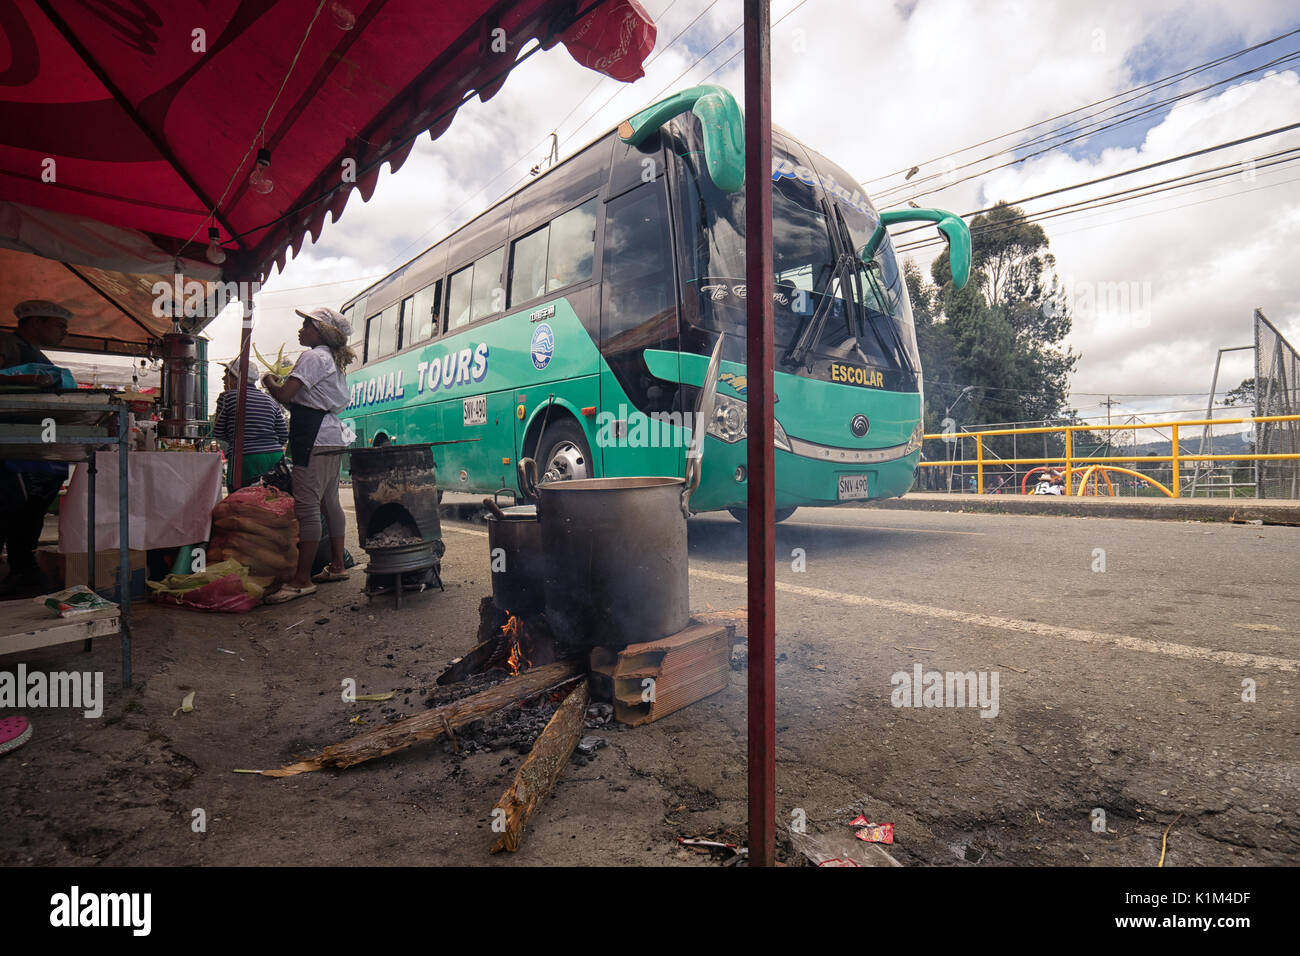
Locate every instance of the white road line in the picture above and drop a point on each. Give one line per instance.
(873, 527)
(477, 534)
(1187, 652)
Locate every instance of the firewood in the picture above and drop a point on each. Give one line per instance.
(540, 770)
(472, 663)
(432, 724)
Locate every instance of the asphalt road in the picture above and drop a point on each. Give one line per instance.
(1122, 651)
(1159, 694)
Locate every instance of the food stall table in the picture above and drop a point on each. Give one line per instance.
(68, 425)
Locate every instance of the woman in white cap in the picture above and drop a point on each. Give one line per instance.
(315, 391)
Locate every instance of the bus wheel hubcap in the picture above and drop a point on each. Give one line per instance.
(567, 461)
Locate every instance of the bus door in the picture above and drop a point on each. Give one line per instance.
(640, 384)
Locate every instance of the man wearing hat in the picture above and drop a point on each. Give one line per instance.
(265, 430)
(315, 391)
(27, 489)
(41, 324)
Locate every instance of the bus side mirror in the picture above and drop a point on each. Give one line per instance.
(952, 226)
(724, 130)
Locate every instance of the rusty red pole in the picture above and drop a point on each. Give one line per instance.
(762, 498)
(236, 463)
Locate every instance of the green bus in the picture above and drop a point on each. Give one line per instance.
(572, 322)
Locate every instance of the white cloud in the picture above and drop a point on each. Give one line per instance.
(877, 88)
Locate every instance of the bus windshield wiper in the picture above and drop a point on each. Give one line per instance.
(810, 329)
(859, 269)
(810, 326)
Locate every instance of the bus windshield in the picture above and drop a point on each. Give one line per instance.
(814, 232)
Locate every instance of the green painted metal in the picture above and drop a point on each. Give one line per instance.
(394, 397)
(722, 122)
(951, 225)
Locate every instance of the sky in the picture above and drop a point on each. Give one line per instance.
(1157, 285)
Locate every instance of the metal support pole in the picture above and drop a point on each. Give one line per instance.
(90, 526)
(124, 540)
(237, 452)
(762, 491)
(1069, 459)
(979, 464)
(1173, 462)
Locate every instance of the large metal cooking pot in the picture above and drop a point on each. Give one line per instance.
(518, 566)
(616, 570)
(615, 548)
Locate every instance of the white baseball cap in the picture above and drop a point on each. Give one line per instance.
(233, 368)
(329, 317)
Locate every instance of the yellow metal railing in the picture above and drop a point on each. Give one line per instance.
(1072, 465)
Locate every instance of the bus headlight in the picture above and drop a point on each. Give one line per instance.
(914, 442)
(779, 437)
(729, 419)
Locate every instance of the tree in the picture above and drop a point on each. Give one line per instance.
(1243, 394)
(1001, 333)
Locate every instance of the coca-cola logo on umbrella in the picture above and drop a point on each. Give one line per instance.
(613, 39)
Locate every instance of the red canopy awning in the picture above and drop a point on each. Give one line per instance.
(145, 114)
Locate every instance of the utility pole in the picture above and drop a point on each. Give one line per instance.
(1108, 403)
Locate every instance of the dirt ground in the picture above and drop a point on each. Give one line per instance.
(131, 787)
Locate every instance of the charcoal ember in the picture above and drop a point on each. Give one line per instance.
(589, 745)
(395, 535)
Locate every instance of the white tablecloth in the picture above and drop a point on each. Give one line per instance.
(171, 499)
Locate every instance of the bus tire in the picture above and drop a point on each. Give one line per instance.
(565, 455)
(742, 514)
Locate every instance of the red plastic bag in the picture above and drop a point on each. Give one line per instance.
(225, 594)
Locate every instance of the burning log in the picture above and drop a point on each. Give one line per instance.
(435, 723)
(541, 769)
(506, 642)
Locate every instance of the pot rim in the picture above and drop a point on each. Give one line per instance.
(630, 483)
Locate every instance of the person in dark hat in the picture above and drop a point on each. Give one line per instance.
(315, 391)
(27, 489)
(265, 430)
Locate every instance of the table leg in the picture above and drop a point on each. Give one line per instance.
(124, 542)
(90, 530)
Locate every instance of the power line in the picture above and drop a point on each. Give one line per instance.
(1034, 217)
(1127, 172)
(1173, 76)
(1098, 127)
(1145, 111)
(511, 165)
(1132, 95)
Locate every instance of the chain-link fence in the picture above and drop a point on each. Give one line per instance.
(1277, 392)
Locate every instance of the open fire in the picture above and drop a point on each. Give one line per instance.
(512, 631)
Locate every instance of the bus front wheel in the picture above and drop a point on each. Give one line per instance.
(565, 454)
(742, 514)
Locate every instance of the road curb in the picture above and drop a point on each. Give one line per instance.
(1157, 509)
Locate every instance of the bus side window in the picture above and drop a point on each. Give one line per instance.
(488, 295)
(458, 297)
(638, 307)
(388, 330)
(528, 266)
(573, 246)
(372, 338)
(424, 313)
(357, 314)
(405, 325)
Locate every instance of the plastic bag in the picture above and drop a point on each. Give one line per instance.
(226, 586)
(72, 601)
